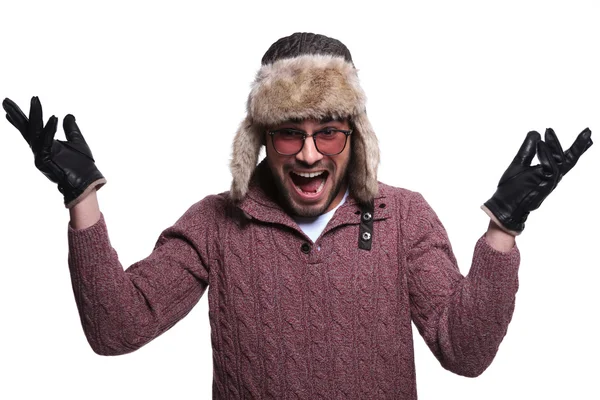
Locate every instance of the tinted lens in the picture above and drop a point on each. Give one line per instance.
(330, 142)
(288, 141)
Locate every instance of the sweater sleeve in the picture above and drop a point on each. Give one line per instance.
(462, 319)
(121, 310)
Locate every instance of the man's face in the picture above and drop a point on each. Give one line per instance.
(302, 194)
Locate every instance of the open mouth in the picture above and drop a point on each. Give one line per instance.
(309, 183)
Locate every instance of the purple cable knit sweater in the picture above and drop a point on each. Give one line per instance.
(295, 320)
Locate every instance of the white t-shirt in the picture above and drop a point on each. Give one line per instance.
(313, 226)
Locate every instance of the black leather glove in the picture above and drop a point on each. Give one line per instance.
(523, 187)
(68, 163)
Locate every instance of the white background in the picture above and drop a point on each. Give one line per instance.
(159, 88)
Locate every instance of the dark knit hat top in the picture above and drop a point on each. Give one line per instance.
(305, 43)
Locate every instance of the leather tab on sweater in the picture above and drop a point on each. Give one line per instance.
(365, 231)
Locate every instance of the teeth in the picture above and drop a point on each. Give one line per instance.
(321, 187)
(309, 174)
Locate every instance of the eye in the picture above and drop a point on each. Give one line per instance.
(289, 134)
(328, 133)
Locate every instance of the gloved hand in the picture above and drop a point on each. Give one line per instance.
(68, 163)
(523, 188)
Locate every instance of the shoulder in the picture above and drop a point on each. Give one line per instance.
(407, 204)
(213, 209)
(402, 197)
(395, 192)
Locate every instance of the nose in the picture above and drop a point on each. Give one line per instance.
(309, 154)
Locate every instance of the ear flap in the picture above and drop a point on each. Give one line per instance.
(363, 168)
(246, 149)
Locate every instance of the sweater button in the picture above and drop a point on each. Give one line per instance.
(305, 248)
(367, 217)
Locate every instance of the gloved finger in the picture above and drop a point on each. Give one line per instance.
(555, 147)
(75, 138)
(72, 131)
(16, 117)
(36, 123)
(47, 136)
(528, 149)
(549, 167)
(581, 144)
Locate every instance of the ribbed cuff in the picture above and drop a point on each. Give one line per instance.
(90, 245)
(494, 266)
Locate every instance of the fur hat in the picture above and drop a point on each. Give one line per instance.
(306, 76)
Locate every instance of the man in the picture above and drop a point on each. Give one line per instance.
(315, 269)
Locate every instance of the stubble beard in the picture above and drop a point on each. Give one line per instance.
(293, 208)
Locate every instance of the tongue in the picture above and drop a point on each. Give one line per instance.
(308, 184)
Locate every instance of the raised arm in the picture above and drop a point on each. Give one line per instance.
(120, 310)
(462, 319)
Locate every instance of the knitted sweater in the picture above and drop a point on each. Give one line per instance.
(292, 319)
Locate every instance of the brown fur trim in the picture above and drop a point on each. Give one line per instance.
(308, 86)
(365, 160)
(246, 148)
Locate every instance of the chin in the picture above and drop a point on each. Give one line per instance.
(308, 211)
